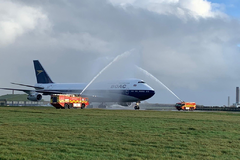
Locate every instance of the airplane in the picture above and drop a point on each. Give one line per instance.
(121, 91)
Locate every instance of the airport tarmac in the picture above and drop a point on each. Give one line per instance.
(171, 107)
(143, 106)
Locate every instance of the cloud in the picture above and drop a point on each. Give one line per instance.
(191, 46)
(180, 8)
(17, 19)
(81, 42)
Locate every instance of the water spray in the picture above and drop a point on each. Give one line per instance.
(147, 73)
(115, 59)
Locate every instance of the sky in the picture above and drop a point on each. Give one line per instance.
(230, 7)
(192, 46)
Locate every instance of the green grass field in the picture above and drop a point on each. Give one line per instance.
(47, 133)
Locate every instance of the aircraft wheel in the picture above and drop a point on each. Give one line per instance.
(57, 107)
(83, 106)
(136, 107)
(65, 106)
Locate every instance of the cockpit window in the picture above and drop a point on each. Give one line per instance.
(141, 82)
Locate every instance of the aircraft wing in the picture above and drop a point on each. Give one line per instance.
(25, 85)
(44, 92)
(24, 90)
(49, 92)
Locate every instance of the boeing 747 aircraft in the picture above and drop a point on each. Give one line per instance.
(120, 91)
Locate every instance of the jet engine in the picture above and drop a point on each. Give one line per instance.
(34, 97)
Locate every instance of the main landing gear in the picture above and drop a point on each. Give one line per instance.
(136, 106)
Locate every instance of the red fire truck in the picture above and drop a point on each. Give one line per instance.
(63, 101)
(186, 106)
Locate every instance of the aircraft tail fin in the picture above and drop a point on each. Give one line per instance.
(41, 74)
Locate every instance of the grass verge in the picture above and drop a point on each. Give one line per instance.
(47, 133)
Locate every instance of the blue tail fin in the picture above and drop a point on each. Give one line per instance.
(41, 74)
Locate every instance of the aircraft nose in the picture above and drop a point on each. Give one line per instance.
(143, 95)
(148, 94)
(151, 93)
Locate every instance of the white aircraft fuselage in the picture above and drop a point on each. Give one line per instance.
(129, 90)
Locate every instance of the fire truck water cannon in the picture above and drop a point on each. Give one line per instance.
(186, 106)
(62, 101)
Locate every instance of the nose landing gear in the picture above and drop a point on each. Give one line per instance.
(136, 106)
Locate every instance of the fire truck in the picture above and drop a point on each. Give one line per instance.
(63, 101)
(186, 106)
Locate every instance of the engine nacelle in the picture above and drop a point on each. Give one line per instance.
(34, 97)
